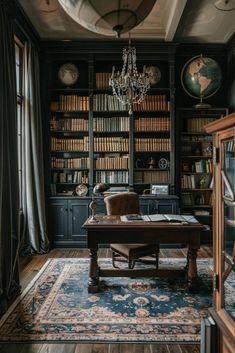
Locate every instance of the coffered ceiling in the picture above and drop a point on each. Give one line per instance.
(182, 21)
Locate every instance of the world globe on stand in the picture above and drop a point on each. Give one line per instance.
(201, 78)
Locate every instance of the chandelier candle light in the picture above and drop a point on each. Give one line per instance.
(129, 86)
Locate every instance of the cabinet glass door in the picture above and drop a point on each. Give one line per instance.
(228, 260)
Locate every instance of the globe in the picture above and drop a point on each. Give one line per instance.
(154, 74)
(201, 78)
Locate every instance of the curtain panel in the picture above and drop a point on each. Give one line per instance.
(9, 181)
(35, 238)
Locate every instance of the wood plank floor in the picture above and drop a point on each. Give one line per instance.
(30, 266)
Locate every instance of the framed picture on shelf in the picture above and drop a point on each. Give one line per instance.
(159, 189)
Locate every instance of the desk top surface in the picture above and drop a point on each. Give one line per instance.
(104, 222)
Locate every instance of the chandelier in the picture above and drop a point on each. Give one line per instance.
(129, 86)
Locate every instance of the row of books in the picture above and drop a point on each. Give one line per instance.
(107, 102)
(70, 162)
(203, 166)
(152, 144)
(209, 335)
(112, 162)
(197, 198)
(112, 124)
(102, 80)
(112, 177)
(203, 148)
(230, 146)
(195, 181)
(111, 144)
(153, 103)
(74, 124)
(196, 138)
(58, 144)
(152, 124)
(119, 123)
(74, 102)
(76, 177)
(197, 124)
(149, 177)
(200, 166)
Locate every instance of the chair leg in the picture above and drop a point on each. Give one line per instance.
(113, 260)
(157, 256)
(131, 264)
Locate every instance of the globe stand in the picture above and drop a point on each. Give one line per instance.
(202, 105)
(93, 206)
(97, 190)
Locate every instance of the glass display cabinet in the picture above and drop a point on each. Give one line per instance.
(223, 311)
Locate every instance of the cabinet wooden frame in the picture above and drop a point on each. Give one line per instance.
(223, 130)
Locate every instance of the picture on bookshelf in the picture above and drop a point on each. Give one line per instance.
(159, 189)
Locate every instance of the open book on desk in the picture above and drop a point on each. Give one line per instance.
(170, 218)
(190, 219)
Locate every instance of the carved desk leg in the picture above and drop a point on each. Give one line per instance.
(93, 284)
(192, 269)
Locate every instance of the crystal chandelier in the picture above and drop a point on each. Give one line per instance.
(129, 86)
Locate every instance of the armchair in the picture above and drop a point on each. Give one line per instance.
(121, 204)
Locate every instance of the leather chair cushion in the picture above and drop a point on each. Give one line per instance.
(133, 251)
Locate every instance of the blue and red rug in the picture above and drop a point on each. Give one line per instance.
(57, 307)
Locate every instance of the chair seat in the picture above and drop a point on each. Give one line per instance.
(133, 251)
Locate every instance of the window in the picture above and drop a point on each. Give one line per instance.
(19, 67)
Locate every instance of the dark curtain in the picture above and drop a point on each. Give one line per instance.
(9, 182)
(35, 238)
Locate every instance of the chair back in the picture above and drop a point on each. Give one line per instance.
(122, 203)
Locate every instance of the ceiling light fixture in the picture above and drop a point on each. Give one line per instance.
(48, 6)
(108, 17)
(129, 86)
(225, 5)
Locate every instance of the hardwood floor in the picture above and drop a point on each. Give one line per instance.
(30, 266)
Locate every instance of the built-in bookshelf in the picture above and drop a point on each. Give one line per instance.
(93, 139)
(69, 142)
(196, 162)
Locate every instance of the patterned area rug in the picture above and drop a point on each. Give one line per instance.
(57, 307)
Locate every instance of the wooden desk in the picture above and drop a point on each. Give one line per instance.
(111, 230)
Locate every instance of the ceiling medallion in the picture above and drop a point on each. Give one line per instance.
(225, 5)
(108, 17)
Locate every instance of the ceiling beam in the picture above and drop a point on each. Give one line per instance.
(174, 19)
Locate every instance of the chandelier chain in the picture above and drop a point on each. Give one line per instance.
(129, 86)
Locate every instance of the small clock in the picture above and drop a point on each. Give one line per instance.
(68, 74)
(163, 163)
(81, 190)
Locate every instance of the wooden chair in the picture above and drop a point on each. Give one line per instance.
(122, 204)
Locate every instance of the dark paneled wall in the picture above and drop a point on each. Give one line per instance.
(231, 75)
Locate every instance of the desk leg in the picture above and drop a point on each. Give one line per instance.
(192, 269)
(93, 284)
